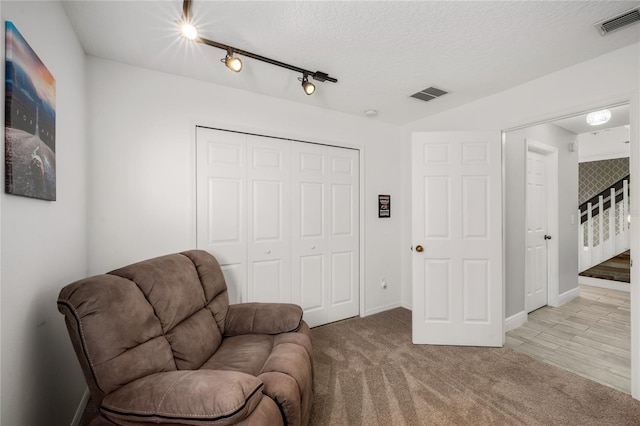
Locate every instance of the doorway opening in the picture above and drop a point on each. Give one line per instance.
(587, 329)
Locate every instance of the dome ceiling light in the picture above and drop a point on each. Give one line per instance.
(598, 117)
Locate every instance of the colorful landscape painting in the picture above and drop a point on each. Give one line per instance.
(30, 121)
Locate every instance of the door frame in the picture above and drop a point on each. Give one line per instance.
(294, 137)
(553, 272)
(631, 97)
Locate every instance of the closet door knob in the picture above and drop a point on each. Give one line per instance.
(313, 247)
(268, 251)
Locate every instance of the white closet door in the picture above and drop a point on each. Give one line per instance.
(344, 234)
(325, 232)
(282, 218)
(310, 219)
(221, 210)
(269, 220)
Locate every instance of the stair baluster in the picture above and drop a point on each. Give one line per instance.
(592, 225)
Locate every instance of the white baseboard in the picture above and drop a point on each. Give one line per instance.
(515, 321)
(379, 309)
(568, 296)
(406, 305)
(596, 282)
(80, 411)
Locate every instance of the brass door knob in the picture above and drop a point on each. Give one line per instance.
(419, 249)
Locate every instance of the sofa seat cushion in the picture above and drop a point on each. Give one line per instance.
(197, 397)
(246, 353)
(282, 362)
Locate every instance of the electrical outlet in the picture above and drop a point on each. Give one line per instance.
(383, 283)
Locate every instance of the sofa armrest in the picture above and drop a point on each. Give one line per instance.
(262, 318)
(185, 397)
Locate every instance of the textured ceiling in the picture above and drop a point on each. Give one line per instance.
(381, 52)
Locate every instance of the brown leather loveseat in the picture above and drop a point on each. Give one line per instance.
(159, 343)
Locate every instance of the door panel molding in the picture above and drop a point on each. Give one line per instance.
(551, 155)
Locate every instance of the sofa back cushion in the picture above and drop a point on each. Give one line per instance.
(115, 332)
(170, 284)
(157, 315)
(213, 284)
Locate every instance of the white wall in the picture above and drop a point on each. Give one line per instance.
(142, 176)
(44, 244)
(604, 145)
(515, 197)
(571, 90)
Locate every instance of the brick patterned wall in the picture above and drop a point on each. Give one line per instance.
(596, 176)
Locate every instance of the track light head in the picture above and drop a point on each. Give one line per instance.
(308, 87)
(189, 31)
(232, 62)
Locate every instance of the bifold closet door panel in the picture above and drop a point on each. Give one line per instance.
(268, 219)
(311, 214)
(325, 232)
(343, 239)
(221, 208)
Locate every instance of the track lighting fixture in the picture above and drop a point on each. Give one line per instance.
(307, 86)
(189, 31)
(187, 28)
(234, 63)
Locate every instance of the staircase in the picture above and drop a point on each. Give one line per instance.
(604, 225)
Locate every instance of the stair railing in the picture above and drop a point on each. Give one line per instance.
(598, 243)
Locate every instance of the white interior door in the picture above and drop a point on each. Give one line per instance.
(269, 220)
(325, 228)
(221, 204)
(344, 241)
(536, 263)
(457, 234)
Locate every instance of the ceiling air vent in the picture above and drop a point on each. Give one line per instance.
(619, 21)
(428, 94)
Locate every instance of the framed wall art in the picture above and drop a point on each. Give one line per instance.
(30, 121)
(384, 205)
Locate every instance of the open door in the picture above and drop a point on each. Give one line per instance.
(457, 237)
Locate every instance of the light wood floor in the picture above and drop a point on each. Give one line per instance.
(589, 336)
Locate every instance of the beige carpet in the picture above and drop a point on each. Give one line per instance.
(367, 372)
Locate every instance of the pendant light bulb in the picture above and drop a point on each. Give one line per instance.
(233, 62)
(189, 31)
(308, 87)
